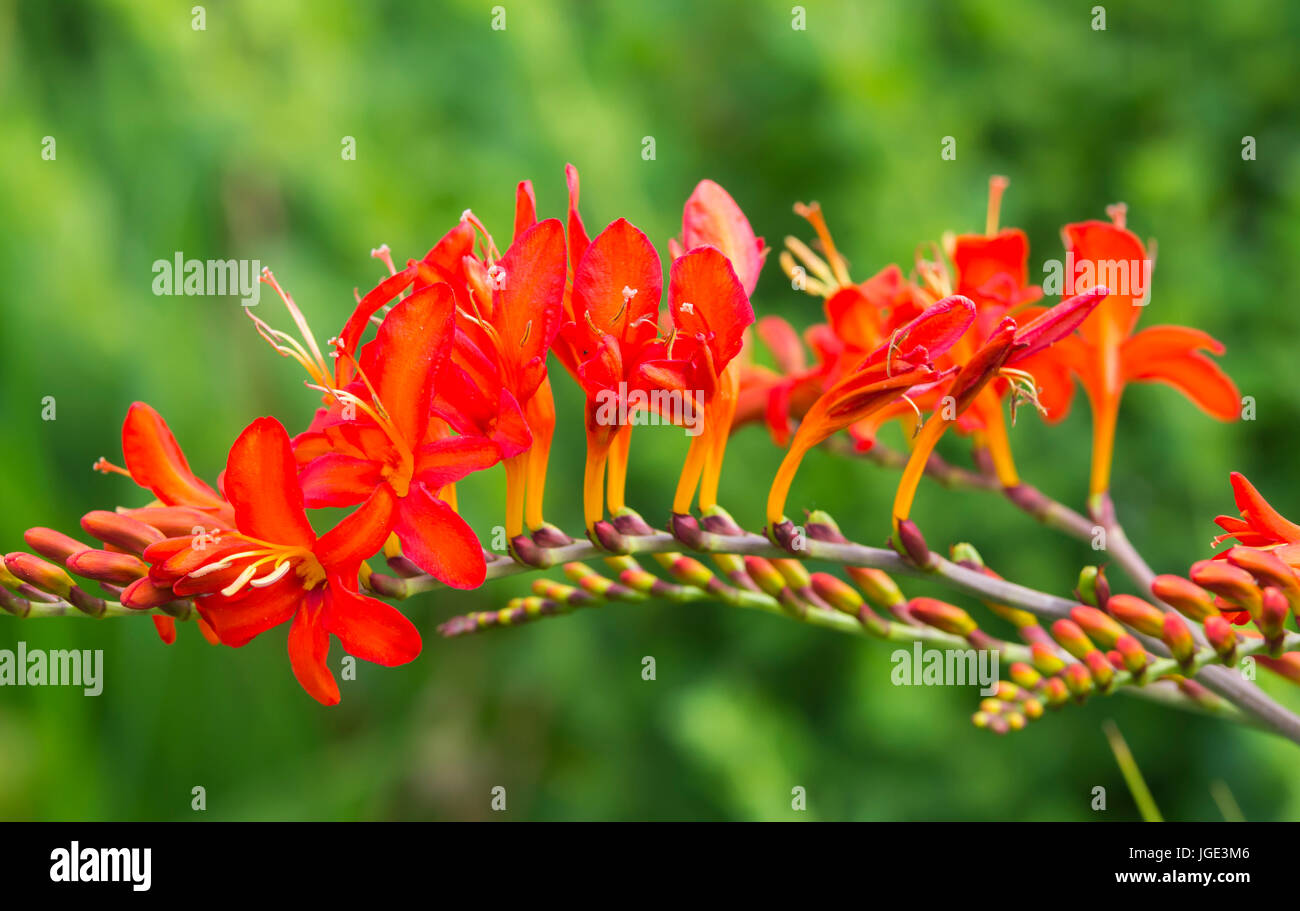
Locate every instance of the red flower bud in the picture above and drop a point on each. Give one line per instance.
(106, 566)
(51, 544)
(941, 615)
(1134, 612)
(37, 572)
(121, 531)
(1178, 637)
(1222, 638)
(1227, 581)
(1187, 598)
(1100, 628)
(1072, 638)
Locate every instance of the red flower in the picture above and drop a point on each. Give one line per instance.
(901, 363)
(1108, 354)
(273, 568)
(1260, 525)
(378, 437)
(154, 460)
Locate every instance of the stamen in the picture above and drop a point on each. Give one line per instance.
(528, 329)
(273, 577)
(809, 285)
(104, 466)
(490, 245)
(384, 254)
(496, 278)
(813, 213)
(996, 185)
(1118, 214)
(298, 318)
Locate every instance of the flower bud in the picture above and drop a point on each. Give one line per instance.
(120, 531)
(1134, 612)
(1102, 670)
(1222, 639)
(912, 543)
(837, 593)
(107, 566)
(1078, 680)
(1227, 581)
(51, 544)
(1267, 569)
(1024, 675)
(1178, 637)
(1087, 585)
(966, 555)
(37, 572)
(877, 585)
(1132, 653)
(795, 573)
(941, 615)
(1072, 638)
(1046, 661)
(1287, 665)
(1272, 614)
(1056, 691)
(1098, 626)
(1186, 597)
(765, 575)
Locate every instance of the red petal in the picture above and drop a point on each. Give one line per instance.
(578, 239)
(238, 621)
(719, 309)
(369, 629)
(1101, 248)
(166, 628)
(361, 534)
(413, 340)
(438, 541)
(447, 461)
(309, 646)
(525, 208)
(1055, 324)
(783, 342)
(356, 325)
(1195, 376)
(711, 217)
(1158, 342)
(527, 310)
(156, 462)
(935, 331)
(621, 257)
(338, 480)
(262, 484)
(1256, 510)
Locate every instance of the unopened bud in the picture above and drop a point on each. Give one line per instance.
(877, 585)
(765, 574)
(120, 531)
(1046, 661)
(1287, 665)
(1099, 627)
(1100, 667)
(912, 543)
(1024, 675)
(1222, 639)
(39, 573)
(107, 566)
(1087, 586)
(1143, 617)
(1227, 581)
(143, 594)
(1267, 568)
(966, 555)
(1132, 654)
(1072, 638)
(1184, 596)
(941, 615)
(51, 544)
(1078, 680)
(1178, 637)
(1056, 691)
(1272, 613)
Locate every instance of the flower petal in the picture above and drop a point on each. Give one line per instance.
(617, 287)
(446, 461)
(438, 541)
(1257, 511)
(156, 462)
(711, 217)
(362, 533)
(706, 299)
(338, 480)
(525, 208)
(527, 310)
(412, 342)
(309, 646)
(1195, 376)
(369, 629)
(262, 484)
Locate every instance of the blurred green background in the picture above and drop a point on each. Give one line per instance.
(226, 142)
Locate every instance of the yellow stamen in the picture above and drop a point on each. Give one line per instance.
(813, 213)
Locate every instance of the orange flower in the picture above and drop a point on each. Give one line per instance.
(1108, 354)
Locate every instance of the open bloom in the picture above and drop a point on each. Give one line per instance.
(619, 355)
(376, 437)
(1006, 345)
(510, 308)
(1259, 524)
(1108, 353)
(272, 568)
(901, 363)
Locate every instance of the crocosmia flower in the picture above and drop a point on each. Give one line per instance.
(272, 568)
